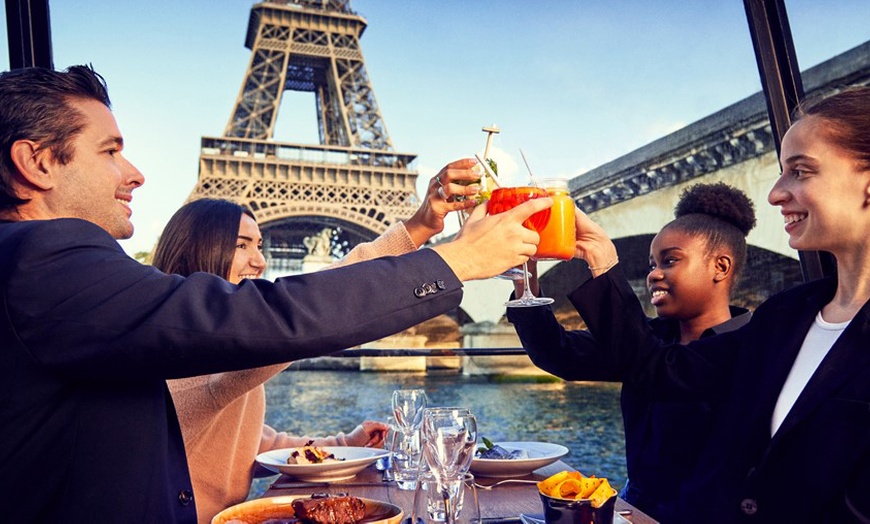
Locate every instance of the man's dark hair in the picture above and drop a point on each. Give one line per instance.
(35, 105)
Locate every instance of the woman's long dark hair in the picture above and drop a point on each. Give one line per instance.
(200, 236)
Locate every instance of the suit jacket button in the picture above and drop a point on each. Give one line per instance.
(185, 497)
(419, 292)
(749, 506)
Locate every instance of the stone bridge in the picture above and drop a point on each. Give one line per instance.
(633, 196)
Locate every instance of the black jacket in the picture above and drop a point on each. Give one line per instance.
(88, 337)
(816, 468)
(662, 438)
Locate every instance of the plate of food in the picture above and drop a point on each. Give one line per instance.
(313, 509)
(320, 464)
(514, 459)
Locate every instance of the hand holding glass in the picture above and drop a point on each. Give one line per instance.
(506, 198)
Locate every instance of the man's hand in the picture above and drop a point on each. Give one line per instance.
(489, 244)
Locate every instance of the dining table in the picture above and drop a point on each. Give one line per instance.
(500, 504)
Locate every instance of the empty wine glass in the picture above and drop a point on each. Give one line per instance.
(449, 439)
(408, 406)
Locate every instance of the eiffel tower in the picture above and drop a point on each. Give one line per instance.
(352, 183)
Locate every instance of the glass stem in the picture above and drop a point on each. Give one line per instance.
(527, 293)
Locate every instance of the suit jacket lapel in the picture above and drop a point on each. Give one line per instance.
(795, 321)
(848, 355)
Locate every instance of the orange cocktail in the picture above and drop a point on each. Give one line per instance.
(558, 237)
(507, 198)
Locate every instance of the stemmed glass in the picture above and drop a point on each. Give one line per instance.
(449, 439)
(408, 406)
(506, 198)
(510, 273)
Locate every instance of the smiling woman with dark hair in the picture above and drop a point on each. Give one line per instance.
(201, 236)
(222, 415)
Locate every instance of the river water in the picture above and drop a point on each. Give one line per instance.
(582, 416)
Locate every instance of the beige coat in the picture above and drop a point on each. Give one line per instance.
(222, 415)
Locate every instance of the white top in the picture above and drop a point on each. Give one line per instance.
(820, 337)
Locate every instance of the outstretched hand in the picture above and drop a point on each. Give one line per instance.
(446, 193)
(487, 245)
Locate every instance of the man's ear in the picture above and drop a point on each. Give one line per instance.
(33, 163)
(723, 267)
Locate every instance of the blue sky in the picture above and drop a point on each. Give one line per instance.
(574, 83)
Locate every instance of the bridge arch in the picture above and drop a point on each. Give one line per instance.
(766, 272)
(369, 220)
(284, 234)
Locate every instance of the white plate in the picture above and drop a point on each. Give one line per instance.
(280, 509)
(540, 454)
(355, 460)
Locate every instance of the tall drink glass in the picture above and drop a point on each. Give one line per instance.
(558, 236)
(507, 198)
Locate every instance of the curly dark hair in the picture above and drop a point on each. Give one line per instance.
(722, 214)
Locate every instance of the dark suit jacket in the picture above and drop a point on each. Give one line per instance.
(88, 337)
(816, 468)
(662, 438)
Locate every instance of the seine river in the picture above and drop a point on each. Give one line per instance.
(584, 417)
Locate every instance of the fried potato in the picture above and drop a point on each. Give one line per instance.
(546, 486)
(567, 489)
(590, 484)
(572, 485)
(601, 494)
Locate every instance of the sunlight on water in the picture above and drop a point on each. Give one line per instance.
(584, 417)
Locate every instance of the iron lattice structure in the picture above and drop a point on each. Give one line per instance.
(353, 181)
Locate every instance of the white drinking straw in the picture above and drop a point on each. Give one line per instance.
(532, 176)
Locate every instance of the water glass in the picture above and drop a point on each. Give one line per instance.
(449, 501)
(407, 452)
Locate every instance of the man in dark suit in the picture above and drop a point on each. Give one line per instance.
(88, 336)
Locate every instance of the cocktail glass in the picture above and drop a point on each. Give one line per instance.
(558, 236)
(506, 198)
